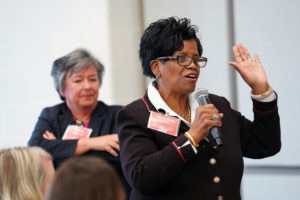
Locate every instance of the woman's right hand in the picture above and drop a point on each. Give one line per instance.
(204, 121)
(109, 143)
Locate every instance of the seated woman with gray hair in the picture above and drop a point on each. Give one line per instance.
(81, 125)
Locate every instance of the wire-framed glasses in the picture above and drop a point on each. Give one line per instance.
(186, 60)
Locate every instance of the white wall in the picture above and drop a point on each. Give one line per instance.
(270, 187)
(126, 28)
(271, 29)
(33, 34)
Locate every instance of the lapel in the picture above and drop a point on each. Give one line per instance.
(148, 102)
(65, 119)
(182, 127)
(97, 119)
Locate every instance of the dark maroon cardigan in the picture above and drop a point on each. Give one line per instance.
(155, 169)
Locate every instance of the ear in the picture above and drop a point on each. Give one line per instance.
(62, 93)
(154, 64)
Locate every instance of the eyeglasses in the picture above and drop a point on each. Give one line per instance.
(186, 60)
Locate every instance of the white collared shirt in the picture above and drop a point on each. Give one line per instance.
(158, 102)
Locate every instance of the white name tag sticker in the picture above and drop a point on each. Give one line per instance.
(76, 132)
(163, 123)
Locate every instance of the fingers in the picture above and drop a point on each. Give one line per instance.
(241, 53)
(206, 117)
(216, 119)
(112, 151)
(111, 147)
(48, 135)
(256, 58)
(208, 108)
(235, 65)
(45, 136)
(115, 145)
(209, 115)
(237, 54)
(217, 116)
(114, 141)
(109, 143)
(248, 56)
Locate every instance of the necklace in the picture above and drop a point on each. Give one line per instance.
(188, 116)
(81, 123)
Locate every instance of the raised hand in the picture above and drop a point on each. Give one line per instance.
(251, 70)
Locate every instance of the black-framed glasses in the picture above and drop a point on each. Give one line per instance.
(186, 60)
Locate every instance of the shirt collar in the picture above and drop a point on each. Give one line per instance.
(158, 102)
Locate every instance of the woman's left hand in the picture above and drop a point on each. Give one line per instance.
(251, 70)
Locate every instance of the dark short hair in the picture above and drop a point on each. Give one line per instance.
(73, 62)
(163, 38)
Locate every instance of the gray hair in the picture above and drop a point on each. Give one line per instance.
(73, 62)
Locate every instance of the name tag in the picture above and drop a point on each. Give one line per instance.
(163, 123)
(76, 132)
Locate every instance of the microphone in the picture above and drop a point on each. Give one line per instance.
(201, 95)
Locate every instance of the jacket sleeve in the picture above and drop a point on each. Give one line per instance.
(59, 149)
(261, 138)
(143, 162)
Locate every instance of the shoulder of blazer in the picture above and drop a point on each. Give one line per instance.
(103, 108)
(55, 110)
(219, 101)
(140, 104)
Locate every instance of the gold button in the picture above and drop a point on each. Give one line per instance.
(212, 161)
(220, 197)
(217, 179)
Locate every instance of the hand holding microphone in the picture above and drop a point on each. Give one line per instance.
(207, 120)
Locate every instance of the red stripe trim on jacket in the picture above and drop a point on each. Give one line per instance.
(178, 150)
(265, 111)
(146, 103)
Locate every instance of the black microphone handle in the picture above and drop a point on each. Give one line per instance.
(215, 132)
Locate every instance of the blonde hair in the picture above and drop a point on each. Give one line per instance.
(22, 173)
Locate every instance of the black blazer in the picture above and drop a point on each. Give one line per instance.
(56, 119)
(157, 168)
